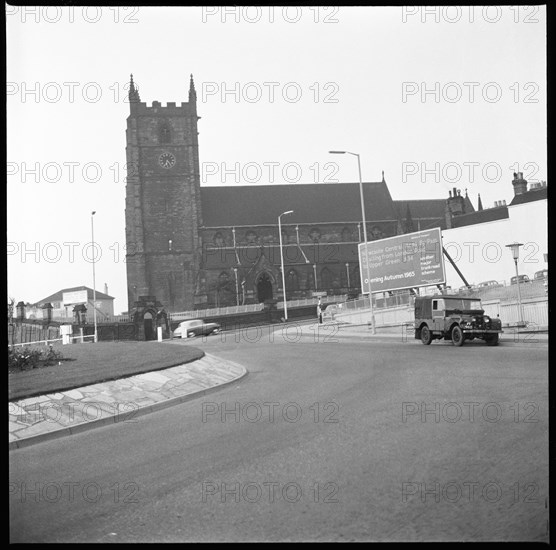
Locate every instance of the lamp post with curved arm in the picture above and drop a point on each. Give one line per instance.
(282, 262)
(364, 234)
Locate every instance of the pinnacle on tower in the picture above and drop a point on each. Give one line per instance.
(192, 92)
(133, 91)
(479, 204)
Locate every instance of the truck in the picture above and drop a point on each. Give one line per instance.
(454, 318)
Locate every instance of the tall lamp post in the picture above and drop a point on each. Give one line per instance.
(94, 281)
(514, 247)
(282, 262)
(237, 287)
(364, 233)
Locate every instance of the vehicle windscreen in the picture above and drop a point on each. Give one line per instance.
(462, 304)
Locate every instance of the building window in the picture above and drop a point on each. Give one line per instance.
(218, 239)
(346, 235)
(292, 280)
(164, 134)
(251, 237)
(326, 278)
(314, 235)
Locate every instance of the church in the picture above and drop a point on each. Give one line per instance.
(196, 247)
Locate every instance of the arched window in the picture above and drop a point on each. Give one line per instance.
(376, 232)
(224, 280)
(326, 278)
(346, 235)
(314, 234)
(164, 134)
(355, 277)
(292, 280)
(344, 277)
(251, 236)
(218, 239)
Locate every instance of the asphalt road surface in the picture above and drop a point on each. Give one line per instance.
(327, 439)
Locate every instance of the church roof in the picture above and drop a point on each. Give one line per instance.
(426, 208)
(239, 205)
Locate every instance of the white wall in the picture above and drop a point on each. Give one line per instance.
(479, 250)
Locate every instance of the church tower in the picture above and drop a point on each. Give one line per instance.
(163, 206)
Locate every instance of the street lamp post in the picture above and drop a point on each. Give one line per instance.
(237, 287)
(364, 234)
(94, 281)
(347, 273)
(282, 262)
(514, 247)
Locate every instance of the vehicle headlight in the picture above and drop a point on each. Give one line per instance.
(487, 319)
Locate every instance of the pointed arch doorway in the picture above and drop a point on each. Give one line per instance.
(264, 287)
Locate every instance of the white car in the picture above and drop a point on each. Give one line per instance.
(195, 327)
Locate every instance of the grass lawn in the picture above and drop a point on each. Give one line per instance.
(94, 363)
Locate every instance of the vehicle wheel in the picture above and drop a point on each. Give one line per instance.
(457, 336)
(215, 331)
(492, 340)
(426, 336)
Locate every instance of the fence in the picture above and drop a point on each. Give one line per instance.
(535, 312)
(73, 339)
(214, 312)
(22, 333)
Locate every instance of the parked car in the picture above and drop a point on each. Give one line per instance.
(522, 279)
(489, 284)
(454, 318)
(195, 327)
(541, 275)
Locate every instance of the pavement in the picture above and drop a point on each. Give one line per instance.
(509, 334)
(64, 413)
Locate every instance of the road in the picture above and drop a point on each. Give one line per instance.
(329, 438)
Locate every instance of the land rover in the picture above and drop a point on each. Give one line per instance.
(454, 318)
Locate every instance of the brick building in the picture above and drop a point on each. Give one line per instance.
(193, 246)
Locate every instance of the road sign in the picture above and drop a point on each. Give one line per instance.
(405, 261)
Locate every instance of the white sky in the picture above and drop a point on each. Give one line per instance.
(361, 58)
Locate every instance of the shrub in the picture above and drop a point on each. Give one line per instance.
(25, 358)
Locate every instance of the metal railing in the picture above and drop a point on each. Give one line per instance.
(214, 312)
(46, 342)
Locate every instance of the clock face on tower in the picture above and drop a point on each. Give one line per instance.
(167, 160)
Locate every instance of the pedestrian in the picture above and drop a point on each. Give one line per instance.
(319, 312)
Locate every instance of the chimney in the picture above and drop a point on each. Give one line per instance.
(520, 184)
(105, 288)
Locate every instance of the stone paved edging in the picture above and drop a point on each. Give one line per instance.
(64, 413)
